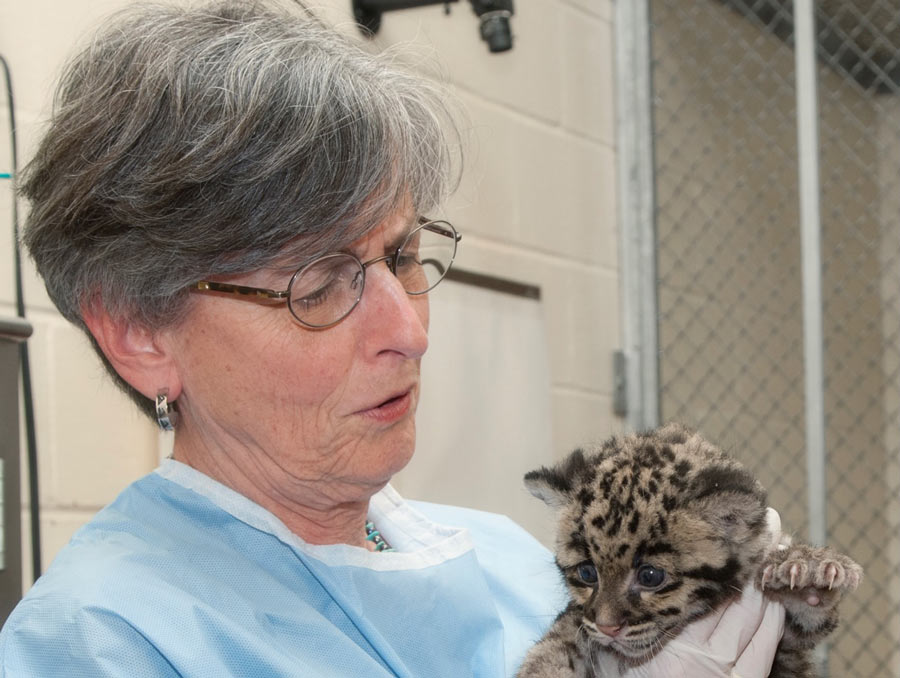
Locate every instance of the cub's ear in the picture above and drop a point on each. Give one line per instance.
(729, 498)
(725, 477)
(555, 485)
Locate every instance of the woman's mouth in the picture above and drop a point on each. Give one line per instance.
(392, 409)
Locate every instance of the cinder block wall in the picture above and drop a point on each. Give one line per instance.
(537, 202)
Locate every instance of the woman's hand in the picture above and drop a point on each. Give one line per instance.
(738, 641)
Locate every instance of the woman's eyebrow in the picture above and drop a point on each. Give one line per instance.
(394, 243)
(400, 238)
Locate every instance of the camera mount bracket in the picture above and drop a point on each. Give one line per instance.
(493, 15)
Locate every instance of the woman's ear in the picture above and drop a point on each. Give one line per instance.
(140, 355)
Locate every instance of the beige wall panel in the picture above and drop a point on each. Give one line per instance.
(36, 38)
(580, 304)
(579, 418)
(526, 79)
(485, 203)
(566, 194)
(599, 8)
(117, 442)
(588, 105)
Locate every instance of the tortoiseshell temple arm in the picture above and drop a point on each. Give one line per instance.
(435, 227)
(259, 292)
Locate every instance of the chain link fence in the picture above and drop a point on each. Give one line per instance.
(729, 292)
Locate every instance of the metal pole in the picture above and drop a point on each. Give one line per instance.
(636, 212)
(810, 225)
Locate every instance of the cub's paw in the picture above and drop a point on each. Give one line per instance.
(820, 575)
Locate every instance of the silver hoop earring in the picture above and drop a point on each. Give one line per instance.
(166, 416)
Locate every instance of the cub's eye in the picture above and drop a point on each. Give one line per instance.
(587, 572)
(650, 577)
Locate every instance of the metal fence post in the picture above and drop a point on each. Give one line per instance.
(811, 245)
(636, 213)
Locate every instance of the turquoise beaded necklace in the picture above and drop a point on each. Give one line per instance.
(375, 537)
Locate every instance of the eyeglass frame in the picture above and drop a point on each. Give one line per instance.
(264, 294)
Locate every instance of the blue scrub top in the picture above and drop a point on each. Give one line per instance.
(181, 576)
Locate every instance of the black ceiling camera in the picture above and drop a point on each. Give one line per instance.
(494, 16)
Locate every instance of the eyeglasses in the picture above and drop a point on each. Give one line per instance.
(326, 290)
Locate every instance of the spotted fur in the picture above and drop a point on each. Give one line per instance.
(657, 530)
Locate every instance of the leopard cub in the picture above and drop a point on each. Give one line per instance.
(659, 529)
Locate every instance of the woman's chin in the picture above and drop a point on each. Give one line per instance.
(391, 452)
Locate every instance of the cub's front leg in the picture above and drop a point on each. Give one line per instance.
(557, 654)
(810, 582)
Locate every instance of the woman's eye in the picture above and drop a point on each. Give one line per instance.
(313, 299)
(587, 572)
(650, 577)
(318, 290)
(405, 259)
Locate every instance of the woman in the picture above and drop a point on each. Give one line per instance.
(231, 202)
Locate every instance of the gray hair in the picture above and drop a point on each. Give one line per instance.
(192, 142)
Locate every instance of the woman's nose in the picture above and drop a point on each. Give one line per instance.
(397, 321)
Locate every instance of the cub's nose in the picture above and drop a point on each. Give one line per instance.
(611, 631)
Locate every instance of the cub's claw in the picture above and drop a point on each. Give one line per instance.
(795, 574)
(831, 574)
(816, 571)
(768, 574)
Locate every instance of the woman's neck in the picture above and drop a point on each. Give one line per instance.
(319, 511)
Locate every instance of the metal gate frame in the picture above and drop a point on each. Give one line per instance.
(637, 202)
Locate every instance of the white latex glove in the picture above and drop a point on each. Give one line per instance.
(738, 641)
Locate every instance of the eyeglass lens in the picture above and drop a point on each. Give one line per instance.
(327, 289)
